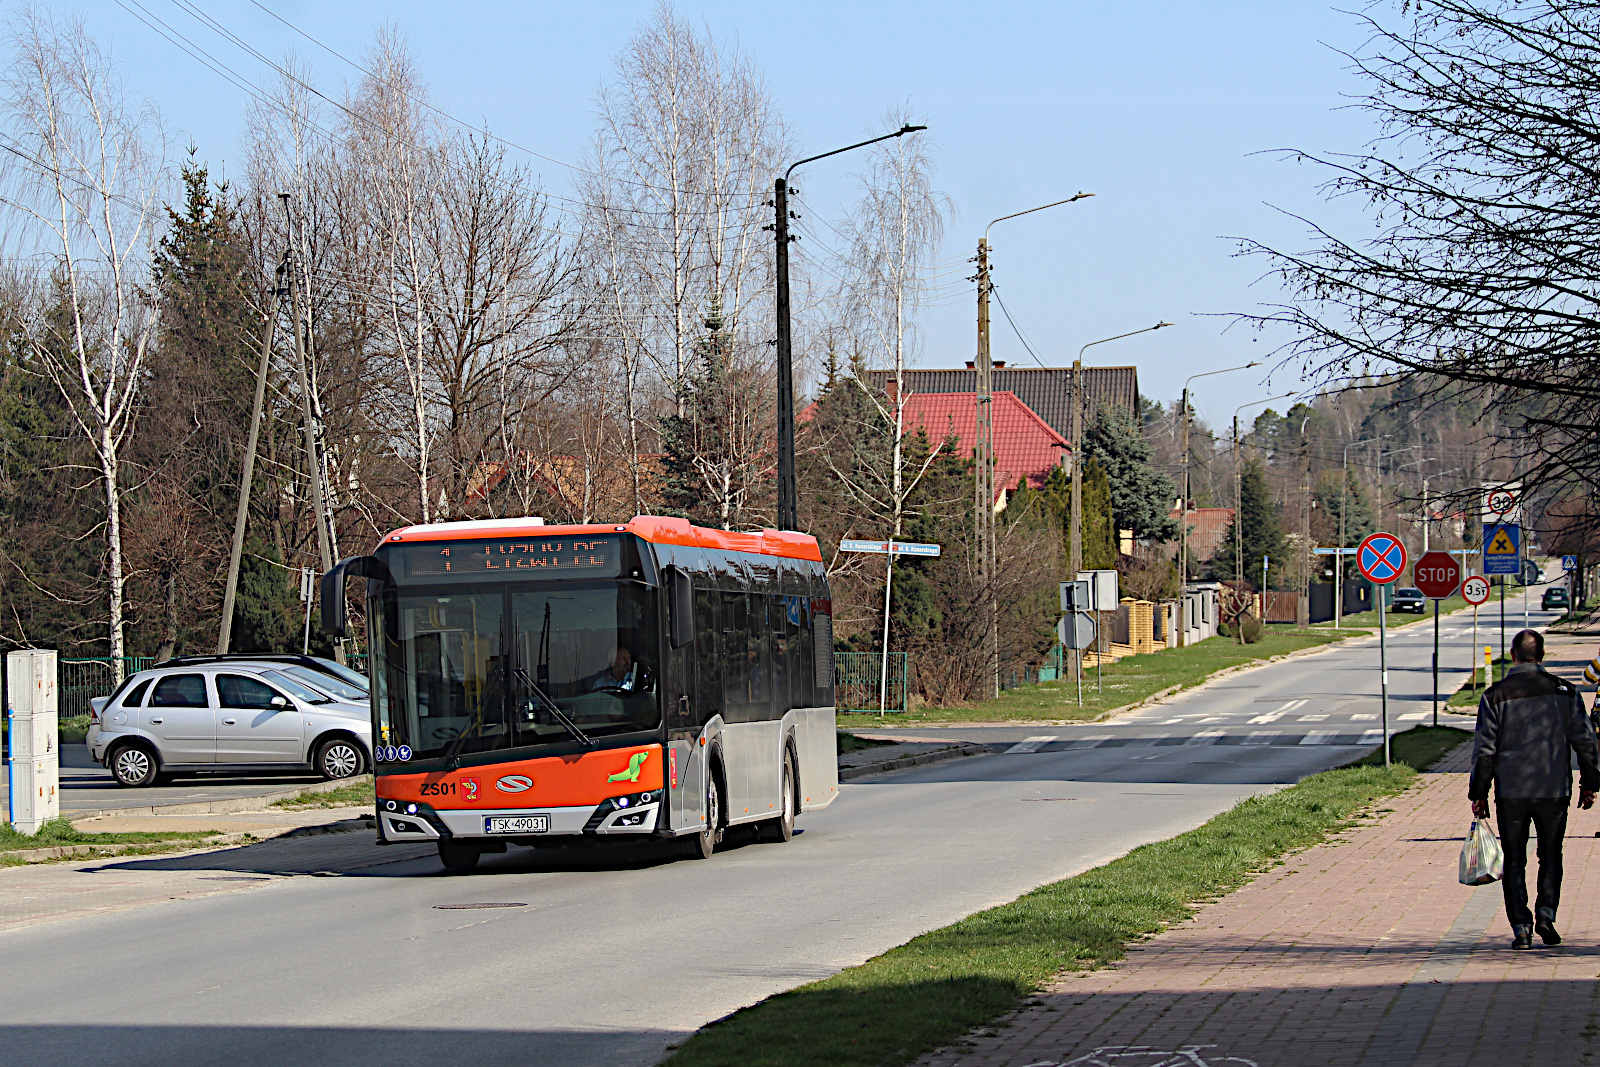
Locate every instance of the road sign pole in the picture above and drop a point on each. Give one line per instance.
(1436, 663)
(1502, 626)
(1383, 668)
(1474, 656)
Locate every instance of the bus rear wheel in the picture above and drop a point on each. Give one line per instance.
(781, 829)
(702, 845)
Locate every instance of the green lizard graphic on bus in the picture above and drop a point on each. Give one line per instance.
(635, 761)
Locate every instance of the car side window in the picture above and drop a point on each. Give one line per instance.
(235, 691)
(180, 691)
(135, 695)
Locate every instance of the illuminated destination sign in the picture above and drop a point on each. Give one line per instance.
(502, 558)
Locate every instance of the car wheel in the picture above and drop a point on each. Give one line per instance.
(134, 765)
(458, 855)
(338, 757)
(702, 845)
(781, 829)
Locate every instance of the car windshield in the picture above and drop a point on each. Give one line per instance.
(301, 692)
(335, 687)
(339, 670)
(1415, 594)
(459, 667)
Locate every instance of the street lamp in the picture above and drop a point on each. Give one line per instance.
(1075, 551)
(1344, 494)
(1238, 491)
(1426, 520)
(788, 493)
(983, 445)
(1183, 505)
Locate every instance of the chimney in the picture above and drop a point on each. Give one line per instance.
(891, 390)
(997, 364)
(972, 364)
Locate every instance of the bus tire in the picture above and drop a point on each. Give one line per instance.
(781, 829)
(458, 855)
(702, 845)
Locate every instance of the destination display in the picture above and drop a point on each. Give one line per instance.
(500, 558)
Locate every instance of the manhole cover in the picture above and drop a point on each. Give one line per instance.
(471, 907)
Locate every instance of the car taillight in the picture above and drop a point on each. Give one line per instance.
(94, 716)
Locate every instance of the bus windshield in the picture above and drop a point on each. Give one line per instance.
(457, 674)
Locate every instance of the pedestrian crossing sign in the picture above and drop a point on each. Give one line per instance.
(1502, 548)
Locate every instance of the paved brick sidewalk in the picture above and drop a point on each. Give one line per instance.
(1362, 952)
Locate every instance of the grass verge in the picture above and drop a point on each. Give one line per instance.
(1130, 679)
(59, 831)
(346, 796)
(1418, 748)
(1369, 619)
(849, 742)
(936, 987)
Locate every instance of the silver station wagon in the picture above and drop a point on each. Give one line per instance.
(233, 715)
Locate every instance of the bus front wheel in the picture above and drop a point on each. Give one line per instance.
(703, 844)
(458, 855)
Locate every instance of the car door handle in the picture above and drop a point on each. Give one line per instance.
(227, 722)
(154, 719)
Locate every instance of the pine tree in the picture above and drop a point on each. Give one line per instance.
(1262, 531)
(1141, 494)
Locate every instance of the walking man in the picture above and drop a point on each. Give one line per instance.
(1529, 724)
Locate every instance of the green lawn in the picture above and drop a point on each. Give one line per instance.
(939, 986)
(59, 831)
(1418, 747)
(358, 794)
(1126, 681)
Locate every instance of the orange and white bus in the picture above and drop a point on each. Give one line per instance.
(544, 685)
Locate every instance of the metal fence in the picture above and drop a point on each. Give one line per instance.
(858, 677)
(79, 680)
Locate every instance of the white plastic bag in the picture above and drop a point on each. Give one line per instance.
(1482, 861)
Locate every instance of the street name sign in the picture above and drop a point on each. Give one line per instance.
(1502, 548)
(883, 548)
(1381, 557)
(1437, 574)
(1475, 591)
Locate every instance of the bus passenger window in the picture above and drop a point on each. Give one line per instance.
(735, 656)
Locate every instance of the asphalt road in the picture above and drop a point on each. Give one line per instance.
(615, 955)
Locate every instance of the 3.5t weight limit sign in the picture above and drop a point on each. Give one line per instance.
(1437, 574)
(1475, 591)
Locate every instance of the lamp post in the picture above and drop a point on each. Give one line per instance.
(788, 493)
(1075, 552)
(1344, 494)
(983, 447)
(1183, 505)
(1238, 490)
(1426, 520)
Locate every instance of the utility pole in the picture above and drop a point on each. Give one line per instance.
(1183, 505)
(1238, 508)
(230, 590)
(983, 475)
(788, 505)
(313, 463)
(788, 492)
(1076, 550)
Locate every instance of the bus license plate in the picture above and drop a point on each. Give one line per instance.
(516, 824)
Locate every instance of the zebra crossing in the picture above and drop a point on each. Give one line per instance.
(1221, 738)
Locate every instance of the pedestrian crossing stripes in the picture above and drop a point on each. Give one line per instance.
(1254, 738)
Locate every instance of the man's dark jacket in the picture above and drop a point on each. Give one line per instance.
(1528, 724)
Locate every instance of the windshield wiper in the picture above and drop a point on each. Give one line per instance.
(555, 711)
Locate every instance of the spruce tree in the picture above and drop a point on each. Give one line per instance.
(1262, 531)
(1141, 493)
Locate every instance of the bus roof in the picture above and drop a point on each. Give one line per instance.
(656, 529)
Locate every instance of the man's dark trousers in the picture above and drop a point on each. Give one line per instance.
(1549, 819)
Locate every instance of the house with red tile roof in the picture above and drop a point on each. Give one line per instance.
(1024, 444)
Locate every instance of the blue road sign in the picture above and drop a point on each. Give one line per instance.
(1502, 548)
(1382, 558)
(1569, 563)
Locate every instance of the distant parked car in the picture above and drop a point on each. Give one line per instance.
(238, 714)
(1555, 597)
(1409, 600)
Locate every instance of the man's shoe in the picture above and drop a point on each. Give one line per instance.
(1522, 937)
(1546, 929)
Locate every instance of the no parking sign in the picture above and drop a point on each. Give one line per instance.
(1381, 557)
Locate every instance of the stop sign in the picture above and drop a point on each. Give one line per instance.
(1437, 574)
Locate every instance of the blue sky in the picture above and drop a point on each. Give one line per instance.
(1165, 110)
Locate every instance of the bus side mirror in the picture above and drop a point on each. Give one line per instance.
(335, 619)
(680, 607)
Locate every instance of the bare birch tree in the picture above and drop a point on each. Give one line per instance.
(85, 187)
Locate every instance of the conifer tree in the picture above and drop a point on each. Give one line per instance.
(1262, 531)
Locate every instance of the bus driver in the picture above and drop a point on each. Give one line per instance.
(619, 675)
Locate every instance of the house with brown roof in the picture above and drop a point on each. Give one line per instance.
(1048, 391)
